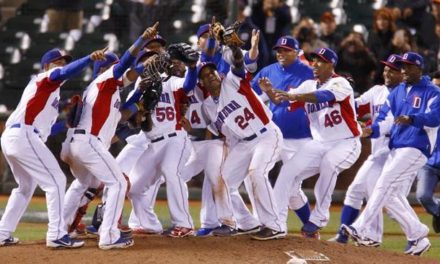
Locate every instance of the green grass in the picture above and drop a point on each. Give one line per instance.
(394, 239)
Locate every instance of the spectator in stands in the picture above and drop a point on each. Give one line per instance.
(409, 12)
(356, 59)
(329, 34)
(426, 36)
(379, 39)
(436, 78)
(305, 33)
(273, 19)
(147, 12)
(402, 42)
(64, 15)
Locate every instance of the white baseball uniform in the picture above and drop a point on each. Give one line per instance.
(334, 148)
(166, 155)
(242, 115)
(89, 149)
(31, 162)
(209, 155)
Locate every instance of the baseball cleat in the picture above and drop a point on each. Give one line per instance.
(341, 239)
(205, 232)
(92, 230)
(268, 234)
(65, 242)
(122, 242)
(224, 230)
(248, 231)
(436, 223)
(10, 241)
(310, 230)
(366, 242)
(142, 231)
(179, 231)
(351, 232)
(417, 247)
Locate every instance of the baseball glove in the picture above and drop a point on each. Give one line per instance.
(230, 36)
(183, 52)
(152, 89)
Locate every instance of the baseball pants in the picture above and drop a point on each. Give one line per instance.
(32, 163)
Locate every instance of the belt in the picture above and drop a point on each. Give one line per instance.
(18, 125)
(252, 137)
(79, 131)
(163, 137)
(203, 139)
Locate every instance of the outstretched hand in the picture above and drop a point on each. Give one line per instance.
(403, 120)
(151, 31)
(265, 84)
(98, 55)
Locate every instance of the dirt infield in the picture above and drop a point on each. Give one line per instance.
(158, 249)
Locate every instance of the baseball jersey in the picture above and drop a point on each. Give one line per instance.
(370, 102)
(240, 113)
(167, 113)
(38, 105)
(195, 113)
(332, 120)
(100, 114)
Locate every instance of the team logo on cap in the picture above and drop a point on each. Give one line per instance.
(283, 41)
(417, 102)
(392, 58)
(405, 56)
(322, 51)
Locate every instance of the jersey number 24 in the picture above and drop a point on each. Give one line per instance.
(242, 120)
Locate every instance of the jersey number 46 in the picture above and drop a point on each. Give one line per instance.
(332, 119)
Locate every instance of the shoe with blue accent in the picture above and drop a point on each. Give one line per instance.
(339, 238)
(10, 241)
(92, 230)
(122, 242)
(310, 230)
(65, 242)
(417, 247)
(351, 232)
(204, 232)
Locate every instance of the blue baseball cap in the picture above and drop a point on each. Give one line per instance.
(413, 58)
(143, 54)
(203, 65)
(110, 58)
(394, 62)
(202, 30)
(53, 55)
(326, 55)
(158, 38)
(287, 42)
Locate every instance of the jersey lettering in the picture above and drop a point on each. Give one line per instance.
(311, 108)
(332, 119)
(55, 103)
(242, 120)
(227, 110)
(165, 113)
(195, 119)
(165, 98)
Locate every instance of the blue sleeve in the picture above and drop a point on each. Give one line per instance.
(204, 57)
(70, 70)
(383, 113)
(133, 99)
(139, 68)
(190, 80)
(123, 131)
(58, 127)
(125, 62)
(254, 83)
(248, 60)
(431, 119)
(324, 96)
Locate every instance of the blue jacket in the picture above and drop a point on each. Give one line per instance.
(422, 104)
(434, 160)
(293, 125)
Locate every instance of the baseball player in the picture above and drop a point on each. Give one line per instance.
(242, 117)
(362, 186)
(94, 132)
(415, 106)
(167, 153)
(330, 107)
(288, 73)
(23, 144)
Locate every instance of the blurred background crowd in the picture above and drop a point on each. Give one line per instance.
(362, 32)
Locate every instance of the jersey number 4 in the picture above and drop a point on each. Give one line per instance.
(242, 120)
(163, 113)
(195, 119)
(332, 119)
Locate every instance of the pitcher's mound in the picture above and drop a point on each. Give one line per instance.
(159, 249)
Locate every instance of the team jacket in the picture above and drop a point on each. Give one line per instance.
(422, 104)
(330, 120)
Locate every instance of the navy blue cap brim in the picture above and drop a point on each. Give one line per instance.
(317, 55)
(67, 58)
(145, 54)
(159, 40)
(410, 62)
(392, 66)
